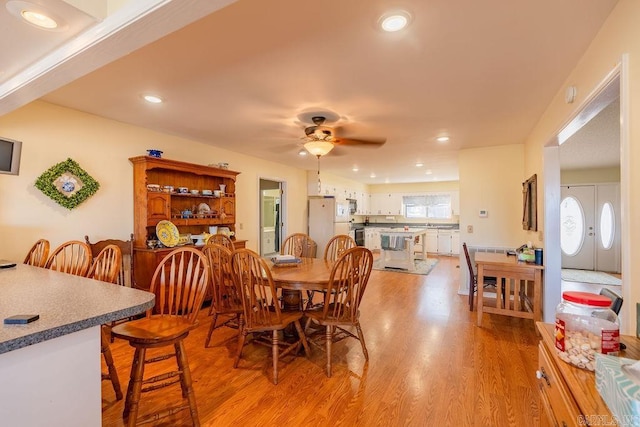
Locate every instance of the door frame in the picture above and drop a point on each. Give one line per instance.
(283, 211)
(551, 167)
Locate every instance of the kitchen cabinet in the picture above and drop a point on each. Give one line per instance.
(432, 241)
(385, 204)
(372, 238)
(455, 242)
(444, 242)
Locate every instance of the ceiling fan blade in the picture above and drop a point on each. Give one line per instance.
(371, 142)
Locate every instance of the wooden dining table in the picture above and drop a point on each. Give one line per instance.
(311, 274)
(518, 298)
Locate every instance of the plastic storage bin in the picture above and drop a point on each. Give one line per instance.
(585, 325)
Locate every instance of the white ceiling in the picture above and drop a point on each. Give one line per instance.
(241, 77)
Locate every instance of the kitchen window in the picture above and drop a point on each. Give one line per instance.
(434, 206)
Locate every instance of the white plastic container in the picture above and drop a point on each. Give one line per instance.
(585, 325)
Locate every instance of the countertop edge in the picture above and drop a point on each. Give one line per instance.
(48, 334)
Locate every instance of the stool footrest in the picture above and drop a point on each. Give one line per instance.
(163, 414)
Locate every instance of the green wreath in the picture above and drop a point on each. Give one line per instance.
(67, 184)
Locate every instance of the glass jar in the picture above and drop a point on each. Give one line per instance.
(585, 325)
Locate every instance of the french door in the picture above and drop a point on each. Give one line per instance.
(589, 227)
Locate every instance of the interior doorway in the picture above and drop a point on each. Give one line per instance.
(271, 221)
(610, 94)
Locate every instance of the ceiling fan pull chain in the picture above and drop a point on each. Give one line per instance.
(319, 186)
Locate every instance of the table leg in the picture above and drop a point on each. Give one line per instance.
(291, 301)
(480, 286)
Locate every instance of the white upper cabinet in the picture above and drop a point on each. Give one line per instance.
(385, 204)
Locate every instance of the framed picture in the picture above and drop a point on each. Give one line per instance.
(529, 204)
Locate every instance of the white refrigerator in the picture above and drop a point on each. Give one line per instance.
(328, 217)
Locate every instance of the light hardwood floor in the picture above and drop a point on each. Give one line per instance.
(429, 365)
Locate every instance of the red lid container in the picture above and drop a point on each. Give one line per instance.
(586, 298)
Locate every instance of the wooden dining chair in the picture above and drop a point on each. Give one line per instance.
(347, 283)
(72, 257)
(299, 245)
(106, 268)
(38, 254)
(225, 300)
(335, 247)
(222, 239)
(257, 291)
(180, 283)
(126, 275)
(473, 278)
(106, 265)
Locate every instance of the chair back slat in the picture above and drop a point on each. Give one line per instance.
(347, 283)
(38, 254)
(223, 289)
(222, 239)
(107, 265)
(299, 245)
(337, 245)
(180, 282)
(256, 289)
(72, 257)
(126, 271)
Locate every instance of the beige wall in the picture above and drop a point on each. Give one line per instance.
(590, 176)
(491, 179)
(619, 35)
(51, 134)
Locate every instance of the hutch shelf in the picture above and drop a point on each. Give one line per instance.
(153, 206)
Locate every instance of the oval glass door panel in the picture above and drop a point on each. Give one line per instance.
(571, 226)
(607, 226)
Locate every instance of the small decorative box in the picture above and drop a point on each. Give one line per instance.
(619, 387)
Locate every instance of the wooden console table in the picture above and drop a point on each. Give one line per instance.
(568, 395)
(514, 295)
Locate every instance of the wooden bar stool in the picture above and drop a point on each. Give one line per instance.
(106, 268)
(180, 283)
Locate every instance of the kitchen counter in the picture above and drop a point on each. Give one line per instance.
(397, 247)
(413, 225)
(65, 303)
(50, 368)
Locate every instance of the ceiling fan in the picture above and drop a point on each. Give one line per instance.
(321, 139)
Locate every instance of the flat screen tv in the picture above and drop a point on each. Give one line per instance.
(10, 156)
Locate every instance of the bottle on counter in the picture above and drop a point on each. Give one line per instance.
(585, 325)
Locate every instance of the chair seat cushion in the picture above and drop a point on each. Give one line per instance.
(154, 329)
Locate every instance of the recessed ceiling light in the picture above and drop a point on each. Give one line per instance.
(152, 99)
(36, 15)
(302, 152)
(419, 164)
(428, 172)
(373, 175)
(394, 21)
(442, 139)
(355, 169)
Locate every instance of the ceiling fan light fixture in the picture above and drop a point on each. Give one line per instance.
(318, 147)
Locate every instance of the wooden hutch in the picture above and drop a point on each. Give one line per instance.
(151, 207)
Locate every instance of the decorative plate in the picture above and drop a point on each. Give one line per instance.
(167, 233)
